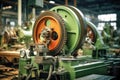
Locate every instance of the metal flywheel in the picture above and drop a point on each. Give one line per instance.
(75, 26)
(91, 32)
(49, 29)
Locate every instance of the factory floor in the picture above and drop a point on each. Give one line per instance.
(9, 70)
(8, 64)
(7, 73)
(96, 77)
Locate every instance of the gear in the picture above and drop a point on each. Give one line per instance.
(57, 32)
(75, 27)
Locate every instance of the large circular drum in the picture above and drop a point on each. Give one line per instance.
(63, 28)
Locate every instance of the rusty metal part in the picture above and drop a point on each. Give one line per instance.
(10, 55)
(91, 33)
(56, 34)
(115, 50)
(8, 35)
(7, 73)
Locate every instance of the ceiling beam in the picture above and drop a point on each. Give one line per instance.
(8, 2)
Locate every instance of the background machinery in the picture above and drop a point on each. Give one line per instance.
(66, 47)
(12, 40)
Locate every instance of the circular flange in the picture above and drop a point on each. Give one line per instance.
(91, 32)
(73, 26)
(56, 33)
(83, 29)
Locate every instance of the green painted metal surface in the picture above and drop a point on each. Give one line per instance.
(25, 35)
(79, 67)
(67, 66)
(72, 26)
(23, 64)
(76, 67)
(22, 70)
(99, 44)
(83, 28)
(90, 68)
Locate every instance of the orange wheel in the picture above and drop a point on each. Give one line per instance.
(91, 32)
(51, 25)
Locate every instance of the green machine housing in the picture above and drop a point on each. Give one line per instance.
(58, 35)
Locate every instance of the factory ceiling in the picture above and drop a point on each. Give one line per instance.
(97, 6)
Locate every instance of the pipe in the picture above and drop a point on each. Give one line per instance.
(50, 73)
(33, 13)
(66, 2)
(75, 3)
(19, 12)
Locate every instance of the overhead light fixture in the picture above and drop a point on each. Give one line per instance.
(6, 7)
(42, 11)
(52, 2)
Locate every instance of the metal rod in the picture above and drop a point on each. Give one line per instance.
(66, 2)
(75, 3)
(34, 13)
(19, 12)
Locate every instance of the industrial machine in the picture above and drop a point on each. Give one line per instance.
(94, 44)
(66, 47)
(12, 40)
(111, 39)
(15, 37)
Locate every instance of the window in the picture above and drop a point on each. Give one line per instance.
(114, 25)
(100, 26)
(107, 18)
(12, 23)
